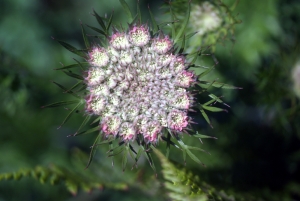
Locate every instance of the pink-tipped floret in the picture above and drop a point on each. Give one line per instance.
(185, 79)
(98, 57)
(177, 120)
(139, 35)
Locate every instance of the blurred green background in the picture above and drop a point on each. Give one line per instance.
(258, 146)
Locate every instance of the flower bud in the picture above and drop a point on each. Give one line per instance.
(177, 120)
(119, 41)
(162, 46)
(139, 35)
(98, 57)
(151, 131)
(184, 79)
(95, 76)
(127, 131)
(110, 125)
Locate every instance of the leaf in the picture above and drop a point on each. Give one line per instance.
(96, 36)
(97, 30)
(86, 41)
(207, 71)
(96, 120)
(217, 99)
(85, 64)
(205, 116)
(139, 16)
(66, 90)
(80, 64)
(115, 147)
(60, 86)
(197, 148)
(149, 158)
(188, 36)
(182, 45)
(104, 142)
(69, 115)
(127, 10)
(86, 132)
(132, 152)
(183, 146)
(132, 149)
(193, 157)
(86, 119)
(76, 76)
(93, 150)
(81, 53)
(109, 22)
(138, 155)
(54, 179)
(208, 102)
(110, 144)
(71, 176)
(17, 175)
(100, 21)
(204, 86)
(133, 21)
(185, 150)
(154, 24)
(173, 31)
(184, 24)
(168, 140)
(124, 158)
(213, 109)
(82, 88)
(202, 136)
(74, 87)
(167, 23)
(196, 56)
(72, 187)
(117, 151)
(60, 103)
(220, 85)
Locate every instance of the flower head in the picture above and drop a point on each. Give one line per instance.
(296, 78)
(139, 85)
(133, 89)
(206, 17)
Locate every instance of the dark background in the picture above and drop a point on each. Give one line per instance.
(257, 150)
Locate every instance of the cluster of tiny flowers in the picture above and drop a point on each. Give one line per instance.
(138, 86)
(296, 78)
(205, 17)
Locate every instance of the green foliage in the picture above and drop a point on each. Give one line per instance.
(183, 184)
(74, 179)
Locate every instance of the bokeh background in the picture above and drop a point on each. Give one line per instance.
(258, 146)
